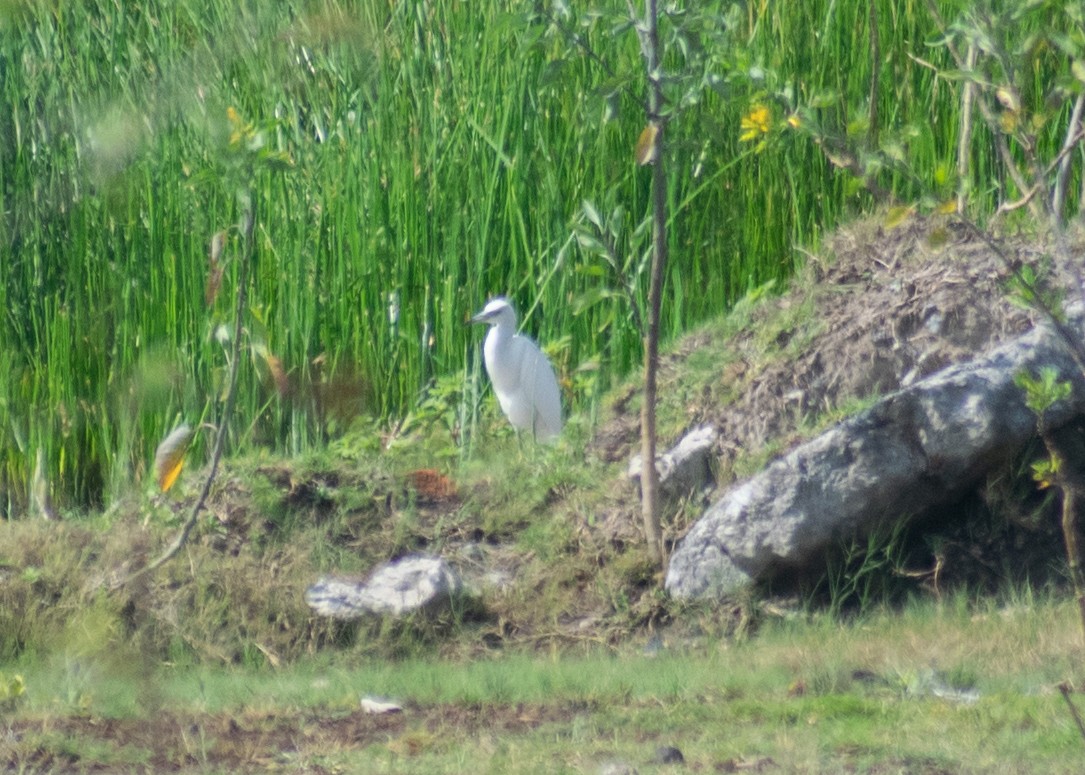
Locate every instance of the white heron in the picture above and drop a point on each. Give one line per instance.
(522, 376)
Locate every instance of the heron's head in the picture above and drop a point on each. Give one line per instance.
(498, 311)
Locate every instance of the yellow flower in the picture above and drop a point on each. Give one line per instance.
(755, 123)
(239, 130)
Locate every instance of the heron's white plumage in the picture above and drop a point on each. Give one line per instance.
(522, 376)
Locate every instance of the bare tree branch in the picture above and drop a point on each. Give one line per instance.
(964, 142)
(988, 113)
(247, 225)
(649, 480)
(1073, 137)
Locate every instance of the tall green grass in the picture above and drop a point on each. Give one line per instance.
(441, 151)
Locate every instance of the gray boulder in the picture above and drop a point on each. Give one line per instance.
(916, 448)
(411, 583)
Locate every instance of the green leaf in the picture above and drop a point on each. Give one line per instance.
(858, 127)
(590, 298)
(943, 173)
(1044, 390)
(589, 242)
(937, 237)
(825, 99)
(898, 215)
(592, 214)
(552, 73)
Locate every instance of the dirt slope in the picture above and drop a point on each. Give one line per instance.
(878, 309)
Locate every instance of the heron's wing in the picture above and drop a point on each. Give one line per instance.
(540, 387)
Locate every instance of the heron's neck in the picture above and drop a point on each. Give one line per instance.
(500, 334)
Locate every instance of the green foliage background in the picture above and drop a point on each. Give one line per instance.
(440, 152)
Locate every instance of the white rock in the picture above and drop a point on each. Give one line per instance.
(379, 705)
(396, 588)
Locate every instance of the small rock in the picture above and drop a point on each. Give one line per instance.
(380, 705)
(668, 754)
(411, 583)
(685, 468)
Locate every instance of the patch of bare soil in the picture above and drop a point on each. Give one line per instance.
(888, 310)
(253, 741)
(888, 307)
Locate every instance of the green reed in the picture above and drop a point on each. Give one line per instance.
(440, 151)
